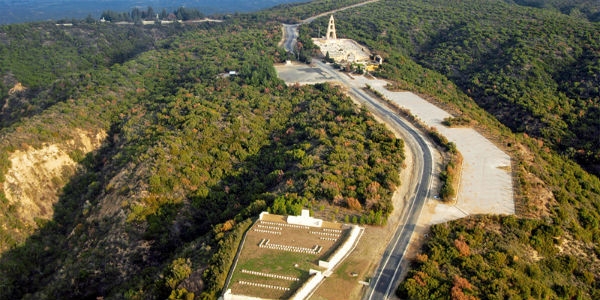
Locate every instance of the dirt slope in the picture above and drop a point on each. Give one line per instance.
(36, 176)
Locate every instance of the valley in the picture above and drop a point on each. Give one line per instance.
(133, 159)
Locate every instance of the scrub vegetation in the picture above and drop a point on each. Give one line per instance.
(194, 152)
(528, 79)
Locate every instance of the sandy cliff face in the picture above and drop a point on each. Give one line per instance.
(37, 176)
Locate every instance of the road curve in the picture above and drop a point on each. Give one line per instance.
(290, 31)
(290, 36)
(386, 276)
(385, 279)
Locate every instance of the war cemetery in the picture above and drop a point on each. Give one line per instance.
(287, 257)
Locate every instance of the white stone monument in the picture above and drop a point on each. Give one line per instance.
(305, 219)
(331, 29)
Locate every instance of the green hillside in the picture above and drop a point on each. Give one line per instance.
(589, 9)
(535, 71)
(190, 155)
(48, 60)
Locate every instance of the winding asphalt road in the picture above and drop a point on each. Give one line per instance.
(385, 279)
(290, 36)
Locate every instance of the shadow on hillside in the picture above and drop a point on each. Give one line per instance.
(35, 263)
(74, 257)
(66, 258)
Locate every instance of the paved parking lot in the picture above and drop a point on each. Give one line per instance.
(302, 74)
(486, 182)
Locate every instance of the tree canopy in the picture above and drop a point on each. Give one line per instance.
(191, 154)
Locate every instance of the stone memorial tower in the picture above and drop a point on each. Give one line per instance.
(331, 29)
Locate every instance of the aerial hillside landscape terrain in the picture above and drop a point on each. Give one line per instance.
(134, 158)
(524, 67)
